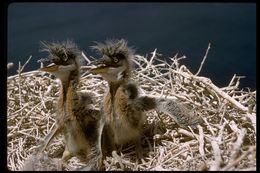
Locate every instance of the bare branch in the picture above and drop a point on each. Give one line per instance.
(202, 62)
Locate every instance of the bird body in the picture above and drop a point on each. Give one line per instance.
(121, 118)
(123, 123)
(80, 123)
(123, 108)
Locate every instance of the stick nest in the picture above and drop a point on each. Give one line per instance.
(226, 140)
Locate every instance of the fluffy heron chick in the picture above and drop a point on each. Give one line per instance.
(123, 107)
(80, 123)
(123, 123)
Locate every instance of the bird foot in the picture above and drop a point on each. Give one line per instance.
(139, 150)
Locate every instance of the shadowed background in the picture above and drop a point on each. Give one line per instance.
(183, 28)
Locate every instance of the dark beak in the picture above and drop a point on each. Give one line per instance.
(51, 69)
(101, 64)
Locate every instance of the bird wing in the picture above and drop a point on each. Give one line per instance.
(179, 112)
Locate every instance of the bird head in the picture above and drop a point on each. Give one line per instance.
(64, 58)
(115, 63)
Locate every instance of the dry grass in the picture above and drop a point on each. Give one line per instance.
(225, 141)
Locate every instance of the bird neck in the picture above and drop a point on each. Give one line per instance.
(68, 93)
(68, 87)
(127, 74)
(113, 88)
(70, 84)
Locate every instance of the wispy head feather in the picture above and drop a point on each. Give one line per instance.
(60, 53)
(114, 47)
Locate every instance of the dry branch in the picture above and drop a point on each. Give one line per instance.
(202, 62)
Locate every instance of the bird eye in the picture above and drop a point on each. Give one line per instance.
(115, 60)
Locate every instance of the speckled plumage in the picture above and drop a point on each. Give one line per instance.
(123, 123)
(123, 107)
(79, 122)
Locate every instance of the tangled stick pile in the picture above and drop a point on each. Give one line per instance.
(225, 141)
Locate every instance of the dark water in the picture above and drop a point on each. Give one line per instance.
(183, 28)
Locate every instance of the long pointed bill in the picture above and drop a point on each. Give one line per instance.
(101, 66)
(99, 70)
(52, 68)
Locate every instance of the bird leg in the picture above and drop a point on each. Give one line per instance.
(107, 141)
(48, 138)
(65, 157)
(139, 148)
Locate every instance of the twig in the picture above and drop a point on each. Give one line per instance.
(201, 141)
(118, 158)
(237, 145)
(221, 131)
(27, 74)
(236, 162)
(19, 84)
(215, 166)
(153, 56)
(209, 126)
(85, 57)
(202, 62)
(42, 100)
(252, 118)
(232, 80)
(26, 63)
(210, 85)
